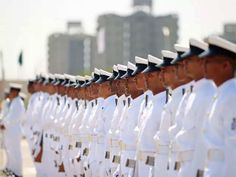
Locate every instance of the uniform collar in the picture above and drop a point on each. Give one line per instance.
(159, 95)
(110, 99)
(138, 99)
(225, 86)
(200, 83)
(178, 91)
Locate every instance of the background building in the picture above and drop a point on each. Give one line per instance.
(230, 32)
(121, 38)
(71, 52)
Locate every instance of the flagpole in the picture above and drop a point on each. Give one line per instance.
(2, 66)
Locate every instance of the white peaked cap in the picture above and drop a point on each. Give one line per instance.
(59, 76)
(140, 60)
(105, 73)
(153, 59)
(168, 54)
(197, 43)
(70, 77)
(115, 68)
(80, 78)
(131, 66)
(222, 43)
(52, 76)
(122, 67)
(15, 86)
(180, 48)
(96, 71)
(87, 77)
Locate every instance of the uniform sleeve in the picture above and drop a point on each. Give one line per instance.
(163, 134)
(14, 116)
(228, 116)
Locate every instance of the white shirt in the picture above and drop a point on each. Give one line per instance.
(128, 136)
(12, 121)
(116, 117)
(104, 119)
(168, 117)
(220, 129)
(152, 123)
(195, 113)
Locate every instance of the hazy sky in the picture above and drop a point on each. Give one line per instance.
(26, 24)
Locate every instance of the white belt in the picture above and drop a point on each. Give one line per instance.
(184, 156)
(99, 139)
(142, 155)
(84, 139)
(175, 147)
(126, 147)
(114, 142)
(215, 155)
(162, 149)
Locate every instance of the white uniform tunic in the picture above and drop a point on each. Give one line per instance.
(127, 134)
(220, 132)
(12, 135)
(28, 122)
(90, 160)
(76, 139)
(162, 137)
(195, 113)
(176, 127)
(101, 132)
(146, 144)
(113, 137)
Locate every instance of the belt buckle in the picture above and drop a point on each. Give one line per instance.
(177, 166)
(200, 173)
(116, 159)
(130, 163)
(86, 152)
(70, 147)
(150, 161)
(107, 155)
(78, 144)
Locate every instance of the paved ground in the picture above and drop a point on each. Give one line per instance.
(28, 167)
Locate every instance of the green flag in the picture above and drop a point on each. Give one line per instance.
(20, 59)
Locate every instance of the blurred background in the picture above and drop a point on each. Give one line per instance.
(74, 36)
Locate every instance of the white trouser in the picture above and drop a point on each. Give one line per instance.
(125, 155)
(100, 159)
(142, 170)
(78, 165)
(214, 169)
(113, 166)
(12, 143)
(161, 163)
(172, 172)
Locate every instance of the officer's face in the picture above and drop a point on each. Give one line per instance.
(113, 86)
(169, 74)
(30, 88)
(217, 68)
(181, 74)
(141, 81)
(94, 89)
(131, 84)
(61, 90)
(152, 78)
(161, 76)
(194, 66)
(81, 93)
(13, 93)
(105, 88)
(122, 87)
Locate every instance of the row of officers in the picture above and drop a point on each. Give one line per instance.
(169, 117)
